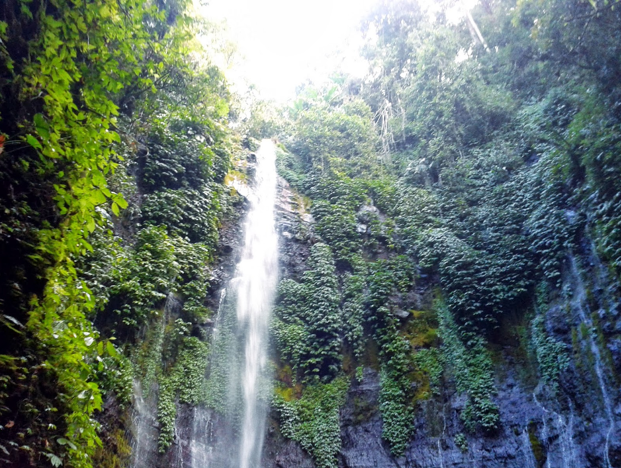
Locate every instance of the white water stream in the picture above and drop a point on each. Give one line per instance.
(257, 276)
(562, 452)
(580, 304)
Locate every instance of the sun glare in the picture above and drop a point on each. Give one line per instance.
(282, 43)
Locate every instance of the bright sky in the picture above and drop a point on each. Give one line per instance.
(281, 43)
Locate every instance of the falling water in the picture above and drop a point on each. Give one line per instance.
(580, 304)
(229, 431)
(201, 434)
(258, 275)
(440, 455)
(567, 454)
(144, 415)
(527, 451)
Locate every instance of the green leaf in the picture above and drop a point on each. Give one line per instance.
(111, 349)
(100, 348)
(41, 125)
(121, 201)
(32, 141)
(26, 11)
(54, 459)
(115, 209)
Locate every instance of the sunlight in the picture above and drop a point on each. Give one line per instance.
(282, 43)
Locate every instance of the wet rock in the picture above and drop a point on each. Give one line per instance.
(296, 232)
(402, 314)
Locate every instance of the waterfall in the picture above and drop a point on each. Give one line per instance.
(580, 304)
(558, 437)
(144, 414)
(527, 450)
(258, 276)
(230, 435)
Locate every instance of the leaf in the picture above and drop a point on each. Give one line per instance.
(9, 321)
(111, 350)
(115, 209)
(41, 125)
(100, 348)
(26, 11)
(54, 459)
(32, 141)
(121, 201)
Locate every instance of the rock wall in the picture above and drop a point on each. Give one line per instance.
(541, 425)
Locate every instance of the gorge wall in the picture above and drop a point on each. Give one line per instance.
(560, 423)
(449, 242)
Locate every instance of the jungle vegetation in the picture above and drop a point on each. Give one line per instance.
(459, 172)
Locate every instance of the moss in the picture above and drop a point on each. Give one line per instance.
(536, 445)
(349, 365)
(286, 386)
(421, 329)
(284, 374)
(235, 176)
(286, 393)
(525, 355)
(363, 410)
(371, 355)
(601, 344)
(115, 453)
(575, 343)
(423, 388)
(302, 202)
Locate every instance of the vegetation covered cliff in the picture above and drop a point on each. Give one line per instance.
(450, 239)
(465, 197)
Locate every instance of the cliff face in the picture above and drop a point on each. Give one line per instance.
(565, 419)
(554, 362)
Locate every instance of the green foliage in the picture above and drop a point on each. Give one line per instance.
(336, 189)
(494, 173)
(71, 78)
(191, 214)
(308, 318)
(336, 224)
(385, 278)
(461, 442)
(431, 361)
(354, 313)
(473, 372)
(290, 168)
(334, 136)
(133, 282)
(143, 278)
(185, 381)
(264, 119)
(313, 420)
(176, 159)
(552, 355)
(395, 396)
